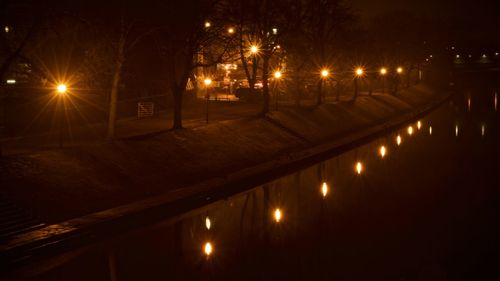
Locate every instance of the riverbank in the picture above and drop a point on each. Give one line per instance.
(58, 185)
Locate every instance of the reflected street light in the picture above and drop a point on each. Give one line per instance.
(277, 215)
(324, 189)
(208, 249)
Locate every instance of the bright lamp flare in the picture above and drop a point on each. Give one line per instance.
(277, 74)
(383, 71)
(410, 130)
(359, 71)
(359, 168)
(324, 73)
(324, 189)
(419, 125)
(208, 249)
(254, 49)
(230, 30)
(61, 88)
(456, 130)
(399, 70)
(398, 140)
(277, 215)
(430, 130)
(483, 130)
(207, 81)
(382, 151)
(208, 223)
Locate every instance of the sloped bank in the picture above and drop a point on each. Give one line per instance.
(159, 176)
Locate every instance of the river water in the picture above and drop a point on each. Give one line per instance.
(427, 210)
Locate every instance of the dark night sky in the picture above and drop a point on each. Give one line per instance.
(483, 10)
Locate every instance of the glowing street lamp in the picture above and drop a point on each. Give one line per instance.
(254, 49)
(359, 71)
(399, 70)
(230, 30)
(398, 140)
(383, 71)
(277, 74)
(325, 73)
(208, 24)
(61, 89)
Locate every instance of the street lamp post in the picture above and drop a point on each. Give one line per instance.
(324, 75)
(359, 73)
(207, 83)
(277, 77)
(383, 73)
(61, 92)
(399, 71)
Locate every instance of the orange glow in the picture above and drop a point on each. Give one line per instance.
(359, 168)
(208, 249)
(399, 70)
(230, 30)
(324, 73)
(277, 215)
(277, 74)
(208, 223)
(419, 125)
(207, 81)
(382, 151)
(61, 88)
(430, 130)
(410, 130)
(359, 71)
(398, 140)
(324, 189)
(383, 71)
(254, 49)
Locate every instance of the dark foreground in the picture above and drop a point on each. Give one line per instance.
(428, 210)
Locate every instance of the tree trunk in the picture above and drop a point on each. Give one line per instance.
(120, 57)
(265, 85)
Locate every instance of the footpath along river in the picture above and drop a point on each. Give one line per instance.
(420, 203)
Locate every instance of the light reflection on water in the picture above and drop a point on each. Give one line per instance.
(262, 223)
